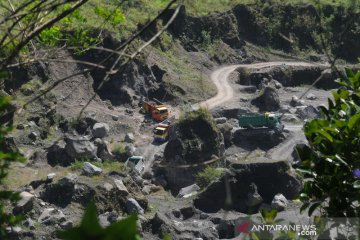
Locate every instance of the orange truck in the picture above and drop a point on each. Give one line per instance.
(156, 111)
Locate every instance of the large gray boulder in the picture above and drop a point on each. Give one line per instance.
(100, 130)
(51, 216)
(80, 148)
(57, 155)
(307, 112)
(188, 191)
(61, 192)
(132, 206)
(268, 101)
(90, 169)
(129, 138)
(25, 204)
(270, 178)
(295, 102)
(279, 202)
(103, 149)
(69, 181)
(121, 187)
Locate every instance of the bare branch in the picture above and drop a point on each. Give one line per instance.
(38, 30)
(112, 69)
(56, 60)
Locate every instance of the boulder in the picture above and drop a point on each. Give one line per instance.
(275, 84)
(60, 192)
(311, 96)
(188, 191)
(108, 187)
(80, 148)
(121, 187)
(130, 149)
(51, 216)
(56, 154)
(69, 181)
(148, 189)
(33, 136)
(50, 177)
(132, 206)
(220, 120)
(100, 130)
(129, 138)
(287, 117)
(103, 149)
(90, 169)
(270, 178)
(268, 101)
(66, 225)
(279, 202)
(25, 204)
(190, 229)
(295, 102)
(29, 223)
(308, 112)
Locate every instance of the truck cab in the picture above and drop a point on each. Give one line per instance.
(136, 163)
(161, 134)
(161, 113)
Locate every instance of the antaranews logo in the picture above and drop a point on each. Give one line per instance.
(244, 228)
(301, 230)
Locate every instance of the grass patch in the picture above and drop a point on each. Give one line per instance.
(202, 113)
(184, 73)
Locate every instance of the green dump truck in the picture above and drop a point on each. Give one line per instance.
(260, 120)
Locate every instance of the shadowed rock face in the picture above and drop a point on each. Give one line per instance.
(270, 179)
(194, 141)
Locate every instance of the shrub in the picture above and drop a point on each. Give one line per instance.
(208, 175)
(331, 161)
(118, 149)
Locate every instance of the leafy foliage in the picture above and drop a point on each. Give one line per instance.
(7, 156)
(90, 228)
(331, 162)
(208, 175)
(115, 17)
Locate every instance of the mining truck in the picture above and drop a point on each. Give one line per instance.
(258, 120)
(156, 110)
(163, 130)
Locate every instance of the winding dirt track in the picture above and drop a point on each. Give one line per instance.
(226, 92)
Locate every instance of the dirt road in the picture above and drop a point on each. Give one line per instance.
(226, 92)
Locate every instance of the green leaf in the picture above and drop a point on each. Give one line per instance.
(353, 121)
(268, 215)
(326, 135)
(304, 207)
(123, 230)
(349, 72)
(90, 222)
(313, 207)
